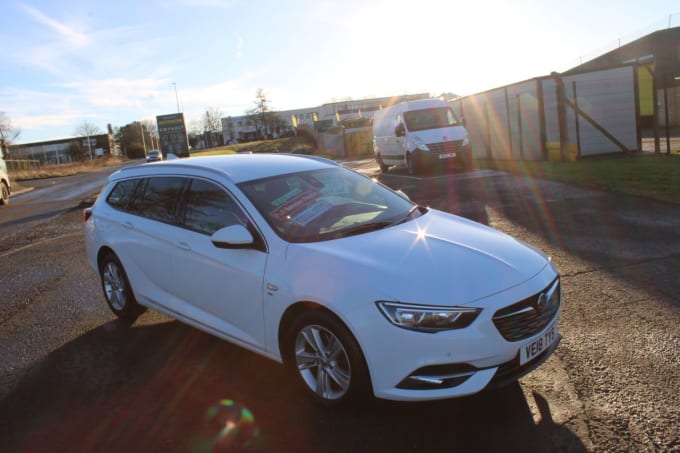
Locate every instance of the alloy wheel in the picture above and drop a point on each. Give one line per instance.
(323, 362)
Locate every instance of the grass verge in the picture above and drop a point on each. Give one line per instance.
(55, 171)
(650, 175)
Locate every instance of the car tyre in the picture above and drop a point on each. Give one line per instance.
(327, 359)
(4, 194)
(117, 290)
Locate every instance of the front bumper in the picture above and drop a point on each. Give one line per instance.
(443, 154)
(411, 366)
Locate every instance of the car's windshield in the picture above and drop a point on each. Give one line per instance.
(326, 204)
(418, 120)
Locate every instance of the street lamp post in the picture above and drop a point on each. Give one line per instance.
(176, 97)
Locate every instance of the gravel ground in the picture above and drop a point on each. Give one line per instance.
(612, 385)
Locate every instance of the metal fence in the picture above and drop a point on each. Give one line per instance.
(555, 117)
(18, 165)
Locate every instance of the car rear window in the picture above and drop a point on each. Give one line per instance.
(122, 194)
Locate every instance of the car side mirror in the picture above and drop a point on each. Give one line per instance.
(400, 130)
(233, 237)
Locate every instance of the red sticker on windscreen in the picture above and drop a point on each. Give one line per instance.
(295, 205)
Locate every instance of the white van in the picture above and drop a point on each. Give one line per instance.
(419, 133)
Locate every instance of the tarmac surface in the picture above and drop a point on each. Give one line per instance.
(72, 378)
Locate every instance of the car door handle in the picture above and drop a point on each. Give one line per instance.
(128, 225)
(183, 245)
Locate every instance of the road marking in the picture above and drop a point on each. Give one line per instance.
(25, 247)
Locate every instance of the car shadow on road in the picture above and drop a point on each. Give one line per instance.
(167, 386)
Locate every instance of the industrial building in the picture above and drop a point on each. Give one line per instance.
(59, 151)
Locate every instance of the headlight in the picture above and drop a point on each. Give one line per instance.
(424, 318)
(466, 140)
(420, 144)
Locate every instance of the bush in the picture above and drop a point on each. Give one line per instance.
(135, 150)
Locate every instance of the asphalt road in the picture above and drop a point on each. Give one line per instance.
(72, 378)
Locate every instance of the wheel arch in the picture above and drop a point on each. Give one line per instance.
(104, 250)
(295, 310)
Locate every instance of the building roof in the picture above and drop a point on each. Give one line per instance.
(661, 47)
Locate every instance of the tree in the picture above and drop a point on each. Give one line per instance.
(87, 129)
(212, 125)
(259, 114)
(132, 139)
(7, 132)
(77, 151)
(212, 121)
(151, 132)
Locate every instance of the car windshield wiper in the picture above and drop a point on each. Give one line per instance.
(409, 215)
(373, 226)
(359, 229)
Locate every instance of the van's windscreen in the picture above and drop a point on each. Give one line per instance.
(418, 120)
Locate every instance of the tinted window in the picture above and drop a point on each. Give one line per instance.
(121, 195)
(159, 199)
(209, 208)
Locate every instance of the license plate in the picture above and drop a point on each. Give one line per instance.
(447, 155)
(534, 347)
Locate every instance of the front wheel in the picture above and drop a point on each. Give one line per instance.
(117, 288)
(4, 193)
(327, 359)
(412, 164)
(383, 167)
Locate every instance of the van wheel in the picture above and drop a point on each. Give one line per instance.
(4, 194)
(412, 164)
(383, 168)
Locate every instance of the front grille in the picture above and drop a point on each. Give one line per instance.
(453, 146)
(528, 317)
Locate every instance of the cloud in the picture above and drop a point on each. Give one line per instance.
(72, 36)
(239, 46)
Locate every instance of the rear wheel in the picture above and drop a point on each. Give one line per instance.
(117, 288)
(4, 193)
(327, 359)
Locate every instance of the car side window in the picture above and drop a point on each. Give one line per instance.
(122, 193)
(159, 200)
(209, 207)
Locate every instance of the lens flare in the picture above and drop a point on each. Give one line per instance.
(227, 427)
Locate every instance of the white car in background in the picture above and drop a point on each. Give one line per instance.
(154, 156)
(5, 186)
(354, 287)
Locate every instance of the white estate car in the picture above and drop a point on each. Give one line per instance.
(354, 287)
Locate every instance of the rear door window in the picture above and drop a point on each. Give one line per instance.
(160, 198)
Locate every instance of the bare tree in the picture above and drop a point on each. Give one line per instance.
(259, 114)
(151, 129)
(212, 121)
(7, 132)
(212, 125)
(87, 129)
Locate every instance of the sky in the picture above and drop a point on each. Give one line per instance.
(66, 62)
